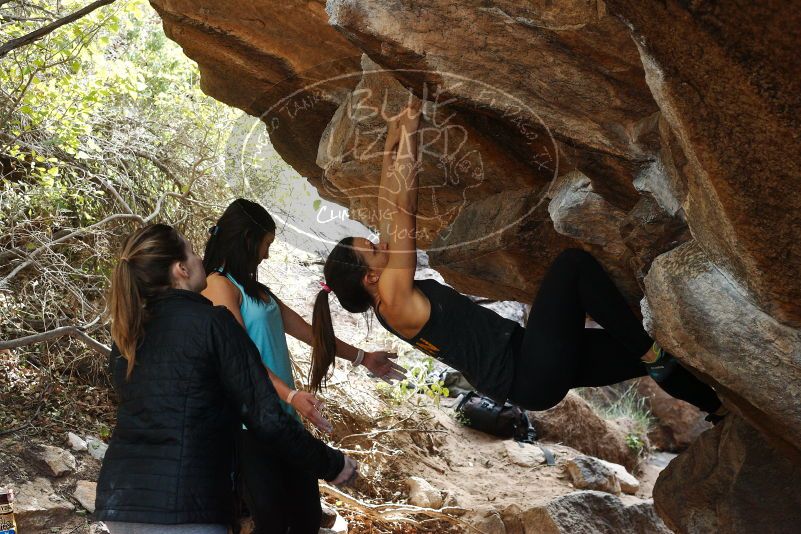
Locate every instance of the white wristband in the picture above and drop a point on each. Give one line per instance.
(291, 396)
(359, 358)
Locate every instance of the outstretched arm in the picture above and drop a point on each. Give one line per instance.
(379, 363)
(397, 204)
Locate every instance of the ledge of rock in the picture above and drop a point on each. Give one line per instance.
(753, 360)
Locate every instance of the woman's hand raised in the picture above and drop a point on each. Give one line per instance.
(309, 406)
(381, 365)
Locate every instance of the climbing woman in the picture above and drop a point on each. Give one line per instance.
(534, 366)
(280, 497)
(187, 376)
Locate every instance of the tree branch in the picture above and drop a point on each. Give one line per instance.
(110, 218)
(397, 512)
(44, 30)
(74, 331)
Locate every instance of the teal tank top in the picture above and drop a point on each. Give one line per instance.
(265, 327)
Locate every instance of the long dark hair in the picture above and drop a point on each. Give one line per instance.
(344, 272)
(233, 244)
(142, 273)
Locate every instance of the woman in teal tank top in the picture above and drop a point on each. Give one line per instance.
(280, 497)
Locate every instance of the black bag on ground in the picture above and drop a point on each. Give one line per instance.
(505, 421)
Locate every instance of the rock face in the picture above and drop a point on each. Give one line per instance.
(755, 361)
(662, 137)
(730, 480)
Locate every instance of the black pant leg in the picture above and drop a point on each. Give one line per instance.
(304, 502)
(547, 360)
(280, 500)
(684, 385)
(604, 361)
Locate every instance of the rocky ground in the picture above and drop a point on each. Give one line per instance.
(421, 469)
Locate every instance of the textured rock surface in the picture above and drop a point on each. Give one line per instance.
(644, 132)
(697, 312)
(53, 461)
(588, 473)
(85, 491)
(574, 423)
(97, 448)
(524, 454)
(725, 77)
(422, 493)
(38, 508)
(730, 480)
(588, 512)
(75, 442)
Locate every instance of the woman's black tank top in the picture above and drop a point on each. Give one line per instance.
(468, 337)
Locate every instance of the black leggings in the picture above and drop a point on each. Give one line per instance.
(281, 499)
(557, 353)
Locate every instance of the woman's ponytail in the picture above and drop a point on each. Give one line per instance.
(142, 273)
(127, 312)
(324, 344)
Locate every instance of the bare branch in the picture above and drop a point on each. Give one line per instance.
(397, 512)
(74, 331)
(116, 217)
(44, 30)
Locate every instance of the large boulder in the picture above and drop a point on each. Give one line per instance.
(730, 480)
(703, 316)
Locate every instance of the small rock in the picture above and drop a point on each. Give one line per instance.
(53, 461)
(628, 483)
(421, 493)
(76, 443)
(97, 449)
(38, 508)
(98, 528)
(85, 494)
(587, 472)
(524, 454)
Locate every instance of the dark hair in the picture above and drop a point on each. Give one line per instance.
(344, 272)
(142, 273)
(233, 245)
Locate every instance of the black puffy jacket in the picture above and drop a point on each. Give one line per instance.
(197, 377)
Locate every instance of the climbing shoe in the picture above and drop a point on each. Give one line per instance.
(661, 367)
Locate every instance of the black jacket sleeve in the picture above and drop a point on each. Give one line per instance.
(247, 384)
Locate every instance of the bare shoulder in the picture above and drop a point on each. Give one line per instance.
(219, 287)
(407, 316)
